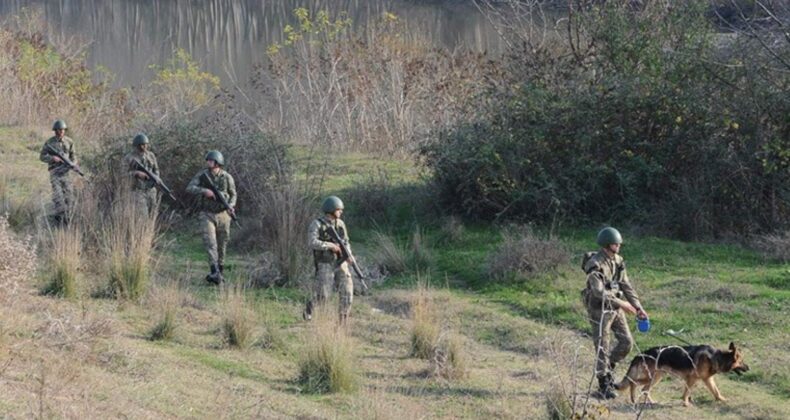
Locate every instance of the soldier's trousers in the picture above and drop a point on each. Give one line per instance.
(215, 228)
(145, 200)
(327, 277)
(62, 193)
(604, 323)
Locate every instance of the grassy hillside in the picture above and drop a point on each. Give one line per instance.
(524, 340)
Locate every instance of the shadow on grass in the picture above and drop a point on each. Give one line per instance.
(441, 391)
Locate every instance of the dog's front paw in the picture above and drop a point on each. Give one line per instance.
(720, 398)
(687, 403)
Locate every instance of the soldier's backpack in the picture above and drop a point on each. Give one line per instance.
(586, 257)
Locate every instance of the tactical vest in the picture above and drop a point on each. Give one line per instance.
(609, 284)
(63, 145)
(146, 160)
(221, 182)
(326, 256)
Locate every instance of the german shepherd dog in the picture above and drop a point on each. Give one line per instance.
(692, 363)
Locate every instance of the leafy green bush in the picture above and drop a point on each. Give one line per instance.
(649, 116)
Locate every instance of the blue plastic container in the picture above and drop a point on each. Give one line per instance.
(643, 325)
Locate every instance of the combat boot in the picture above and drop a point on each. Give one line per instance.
(307, 314)
(606, 387)
(214, 277)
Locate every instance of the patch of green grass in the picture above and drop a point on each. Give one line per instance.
(229, 367)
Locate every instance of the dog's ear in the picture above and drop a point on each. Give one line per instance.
(732, 346)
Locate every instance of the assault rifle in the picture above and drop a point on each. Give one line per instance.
(345, 253)
(158, 181)
(55, 152)
(219, 197)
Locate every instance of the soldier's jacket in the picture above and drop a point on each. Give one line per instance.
(607, 280)
(147, 159)
(65, 145)
(224, 183)
(319, 241)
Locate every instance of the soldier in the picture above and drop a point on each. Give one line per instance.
(143, 188)
(214, 217)
(325, 254)
(62, 191)
(608, 297)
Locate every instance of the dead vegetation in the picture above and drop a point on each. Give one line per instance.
(774, 246)
(523, 254)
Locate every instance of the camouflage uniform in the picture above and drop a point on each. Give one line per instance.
(214, 219)
(607, 285)
(62, 190)
(144, 190)
(328, 274)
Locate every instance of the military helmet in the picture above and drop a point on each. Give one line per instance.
(216, 156)
(608, 236)
(139, 139)
(59, 125)
(331, 204)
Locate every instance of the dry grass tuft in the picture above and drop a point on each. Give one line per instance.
(422, 257)
(238, 319)
(287, 204)
(388, 255)
(523, 254)
(18, 211)
(166, 300)
(63, 261)
(129, 235)
(558, 407)
(774, 246)
(449, 359)
(328, 364)
(425, 323)
(272, 335)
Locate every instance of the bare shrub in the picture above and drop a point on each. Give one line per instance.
(774, 246)
(63, 261)
(524, 254)
(568, 391)
(51, 80)
(238, 319)
(129, 235)
(388, 255)
(178, 90)
(378, 89)
(426, 325)
(449, 360)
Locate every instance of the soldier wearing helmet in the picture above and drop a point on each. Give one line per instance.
(143, 188)
(62, 190)
(608, 296)
(214, 218)
(325, 255)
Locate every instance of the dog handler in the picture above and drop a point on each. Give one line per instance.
(608, 296)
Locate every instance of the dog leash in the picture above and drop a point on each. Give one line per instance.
(674, 334)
